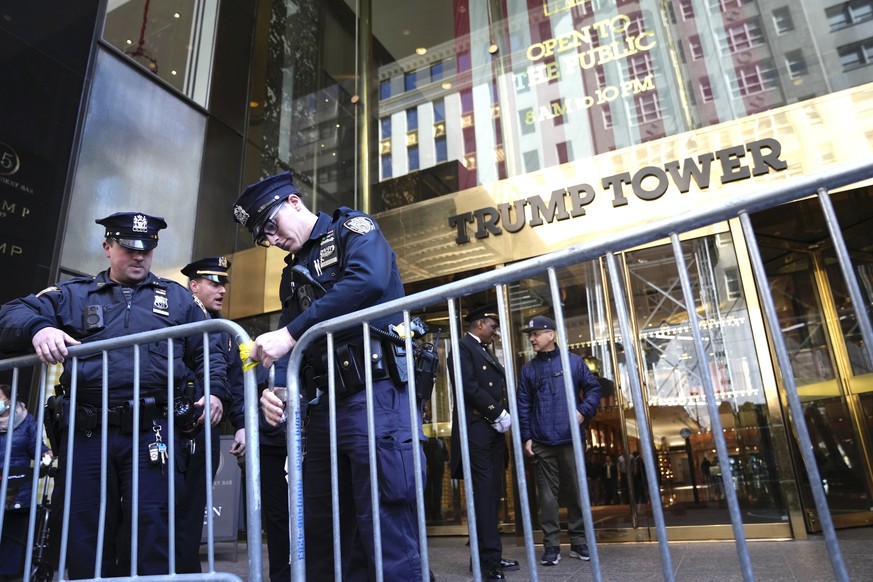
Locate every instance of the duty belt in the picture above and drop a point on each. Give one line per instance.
(88, 418)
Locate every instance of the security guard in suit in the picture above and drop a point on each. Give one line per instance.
(207, 280)
(125, 299)
(338, 264)
(484, 385)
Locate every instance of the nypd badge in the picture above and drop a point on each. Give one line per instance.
(360, 224)
(140, 223)
(161, 305)
(241, 215)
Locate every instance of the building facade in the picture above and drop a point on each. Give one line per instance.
(479, 134)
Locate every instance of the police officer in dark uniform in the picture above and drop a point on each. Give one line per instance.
(207, 280)
(484, 382)
(125, 299)
(352, 267)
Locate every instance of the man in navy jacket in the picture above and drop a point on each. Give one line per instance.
(545, 427)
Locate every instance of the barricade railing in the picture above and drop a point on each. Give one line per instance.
(104, 347)
(738, 206)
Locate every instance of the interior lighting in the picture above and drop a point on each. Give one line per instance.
(492, 48)
(446, 86)
(421, 51)
(176, 15)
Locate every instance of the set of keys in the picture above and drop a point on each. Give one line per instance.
(158, 449)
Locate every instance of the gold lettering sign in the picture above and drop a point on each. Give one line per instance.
(649, 183)
(606, 41)
(554, 6)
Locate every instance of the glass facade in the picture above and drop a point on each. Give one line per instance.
(121, 167)
(412, 101)
(172, 40)
(469, 93)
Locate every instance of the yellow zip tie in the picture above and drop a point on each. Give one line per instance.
(244, 351)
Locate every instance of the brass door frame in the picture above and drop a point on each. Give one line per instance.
(843, 384)
(847, 384)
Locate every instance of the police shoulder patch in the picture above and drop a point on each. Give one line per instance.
(360, 224)
(52, 289)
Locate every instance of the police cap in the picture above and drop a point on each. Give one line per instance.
(212, 268)
(137, 231)
(537, 323)
(257, 201)
(483, 312)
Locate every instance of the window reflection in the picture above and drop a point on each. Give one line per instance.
(688, 468)
(173, 40)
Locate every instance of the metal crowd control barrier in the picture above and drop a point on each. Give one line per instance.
(253, 496)
(739, 206)
(606, 247)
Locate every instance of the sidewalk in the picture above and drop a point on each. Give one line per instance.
(800, 561)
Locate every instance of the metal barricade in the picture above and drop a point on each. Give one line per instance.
(605, 247)
(252, 472)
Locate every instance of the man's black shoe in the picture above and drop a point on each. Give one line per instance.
(509, 565)
(495, 573)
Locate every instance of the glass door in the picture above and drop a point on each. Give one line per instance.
(828, 358)
(688, 470)
(689, 475)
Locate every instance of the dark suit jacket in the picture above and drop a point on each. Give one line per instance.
(484, 385)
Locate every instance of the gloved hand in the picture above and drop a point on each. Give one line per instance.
(503, 422)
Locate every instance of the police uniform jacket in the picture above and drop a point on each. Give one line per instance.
(155, 304)
(484, 382)
(234, 409)
(542, 400)
(351, 259)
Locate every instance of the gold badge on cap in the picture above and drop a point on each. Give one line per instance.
(222, 262)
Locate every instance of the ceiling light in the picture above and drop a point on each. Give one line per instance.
(446, 85)
(421, 50)
(176, 15)
(492, 48)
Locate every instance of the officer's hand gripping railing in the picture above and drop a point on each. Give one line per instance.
(253, 493)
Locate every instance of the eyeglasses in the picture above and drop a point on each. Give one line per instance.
(269, 229)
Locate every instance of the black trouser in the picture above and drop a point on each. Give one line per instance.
(274, 510)
(190, 509)
(487, 462)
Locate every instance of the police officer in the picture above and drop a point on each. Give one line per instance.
(207, 280)
(125, 299)
(353, 267)
(484, 382)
